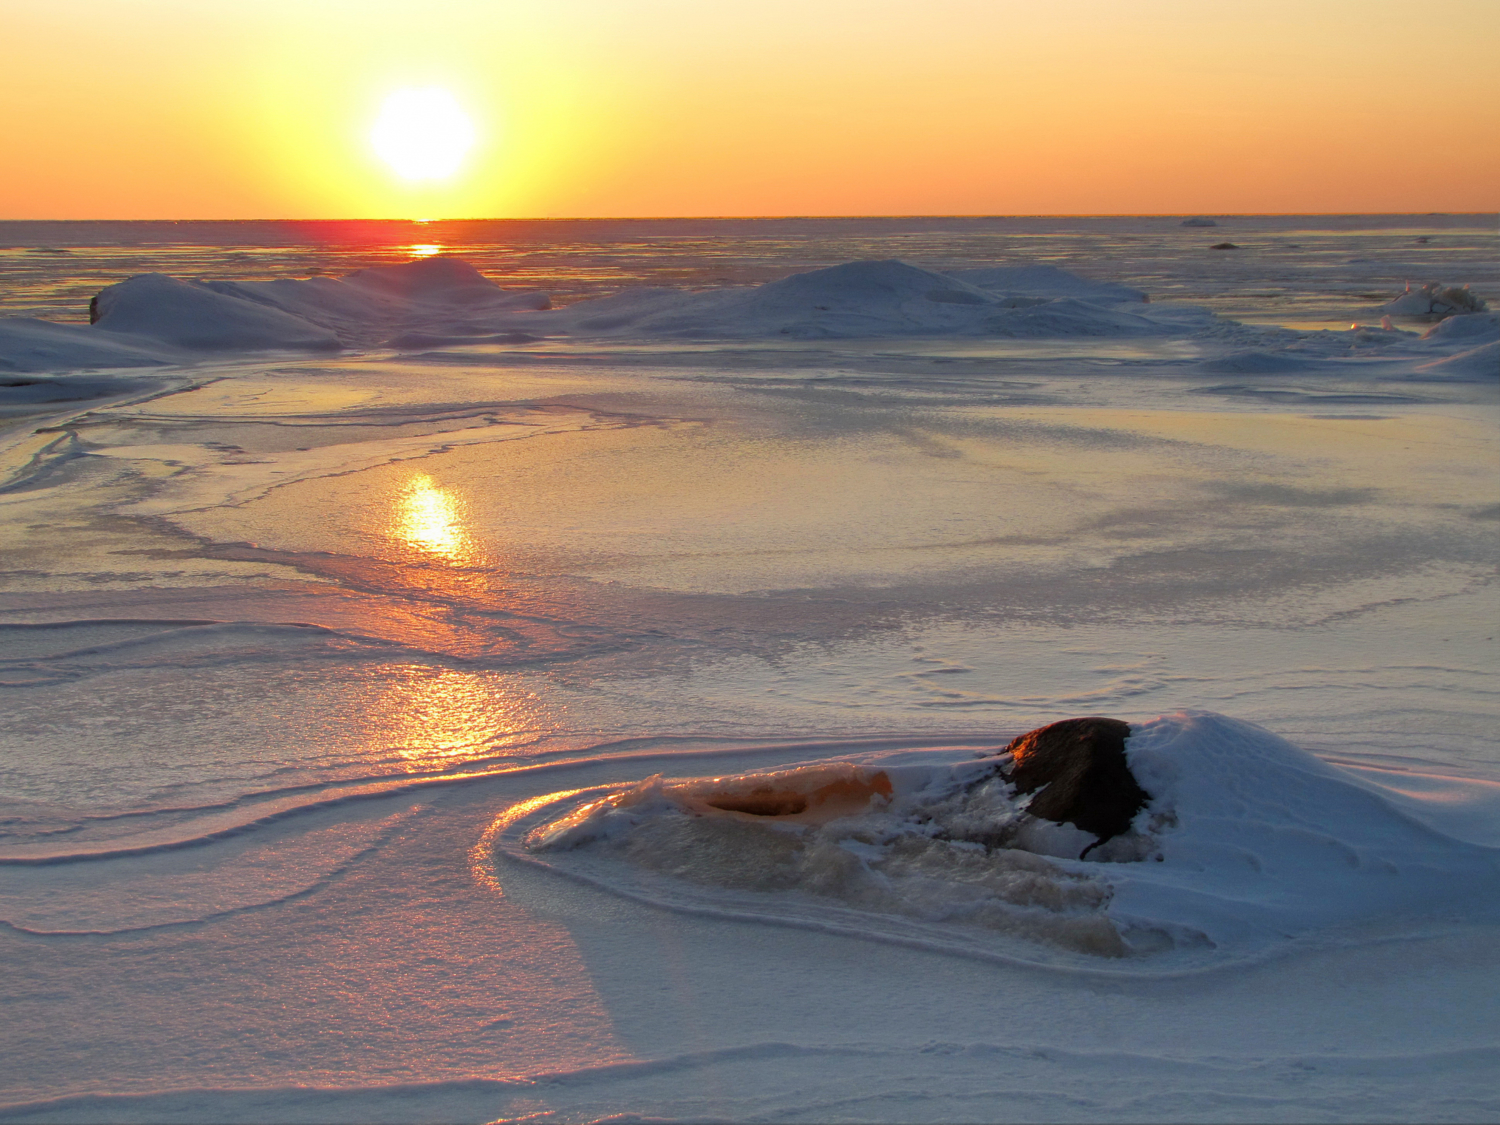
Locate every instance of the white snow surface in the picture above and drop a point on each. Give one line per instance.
(30, 345)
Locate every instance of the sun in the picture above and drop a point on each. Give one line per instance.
(422, 133)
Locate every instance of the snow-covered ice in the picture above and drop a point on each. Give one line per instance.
(402, 667)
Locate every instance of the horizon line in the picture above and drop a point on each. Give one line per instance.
(795, 218)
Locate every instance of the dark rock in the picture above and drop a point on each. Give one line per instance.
(1223, 246)
(1078, 773)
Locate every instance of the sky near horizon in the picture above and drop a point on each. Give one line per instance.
(179, 109)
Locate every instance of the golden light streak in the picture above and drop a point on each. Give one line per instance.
(443, 716)
(482, 854)
(430, 519)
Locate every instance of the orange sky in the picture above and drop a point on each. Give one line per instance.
(126, 109)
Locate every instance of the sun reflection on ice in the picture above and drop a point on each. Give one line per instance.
(425, 249)
(440, 717)
(431, 519)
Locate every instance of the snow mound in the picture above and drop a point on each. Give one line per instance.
(438, 296)
(153, 319)
(1434, 300)
(1482, 362)
(874, 299)
(1472, 328)
(1247, 842)
(1066, 316)
(439, 278)
(1047, 281)
(28, 345)
(195, 317)
(1267, 842)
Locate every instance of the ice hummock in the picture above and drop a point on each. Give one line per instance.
(154, 319)
(1247, 843)
(880, 298)
(1435, 301)
(197, 317)
(31, 345)
(436, 295)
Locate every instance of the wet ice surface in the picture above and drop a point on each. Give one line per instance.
(297, 652)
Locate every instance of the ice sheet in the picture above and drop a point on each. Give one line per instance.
(290, 641)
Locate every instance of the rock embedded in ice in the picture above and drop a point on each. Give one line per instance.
(1223, 246)
(1077, 771)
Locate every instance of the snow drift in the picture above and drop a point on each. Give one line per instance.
(196, 317)
(879, 298)
(1434, 300)
(28, 345)
(1247, 843)
(154, 320)
(1477, 363)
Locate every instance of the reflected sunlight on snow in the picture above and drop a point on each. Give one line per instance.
(441, 716)
(430, 519)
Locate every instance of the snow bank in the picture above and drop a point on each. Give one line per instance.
(440, 301)
(1047, 281)
(196, 317)
(28, 345)
(1434, 300)
(1247, 843)
(874, 299)
(153, 319)
(1482, 362)
(1472, 328)
(440, 298)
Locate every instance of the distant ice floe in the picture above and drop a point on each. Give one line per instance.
(1198, 221)
(1247, 844)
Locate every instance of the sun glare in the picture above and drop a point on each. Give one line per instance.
(431, 519)
(423, 133)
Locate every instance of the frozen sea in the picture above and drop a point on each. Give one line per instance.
(363, 641)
